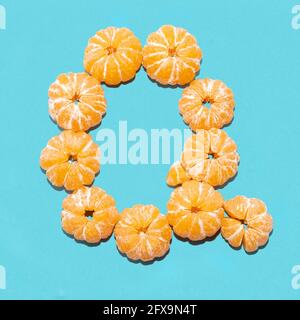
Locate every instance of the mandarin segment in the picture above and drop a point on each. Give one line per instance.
(237, 207)
(210, 156)
(71, 160)
(113, 55)
(249, 224)
(171, 56)
(76, 101)
(233, 231)
(97, 203)
(177, 175)
(192, 105)
(195, 210)
(142, 233)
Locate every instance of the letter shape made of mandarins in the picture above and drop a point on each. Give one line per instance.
(76, 101)
(71, 160)
(195, 210)
(142, 233)
(89, 214)
(200, 92)
(210, 156)
(249, 224)
(171, 56)
(113, 55)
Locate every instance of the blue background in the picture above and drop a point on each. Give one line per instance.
(251, 46)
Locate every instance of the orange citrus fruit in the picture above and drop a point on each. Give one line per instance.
(195, 210)
(142, 233)
(210, 156)
(76, 101)
(171, 56)
(248, 223)
(71, 160)
(89, 214)
(113, 55)
(177, 175)
(200, 92)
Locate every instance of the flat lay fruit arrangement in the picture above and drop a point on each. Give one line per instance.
(196, 210)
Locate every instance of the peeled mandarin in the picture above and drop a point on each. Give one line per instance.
(71, 160)
(171, 56)
(210, 156)
(195, 210)
(89, 214)
(200, 93)
(113, 55)
(249, 224)
(142, 233)
(76, 101)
